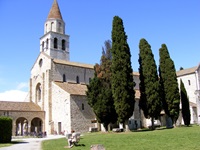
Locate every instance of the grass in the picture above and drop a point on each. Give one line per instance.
(180, 138)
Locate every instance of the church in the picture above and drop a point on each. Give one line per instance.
(57, 100)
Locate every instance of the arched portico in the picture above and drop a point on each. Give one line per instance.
(36, 125)
(21, 126)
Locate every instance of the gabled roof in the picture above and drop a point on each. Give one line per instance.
(186, 71)
(72, 88)
(80, 89)
(76, 64)
(19, 106)
(55, 11)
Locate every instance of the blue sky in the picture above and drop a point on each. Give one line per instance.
(89, 23)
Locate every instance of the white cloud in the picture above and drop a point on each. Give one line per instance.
(13, 95)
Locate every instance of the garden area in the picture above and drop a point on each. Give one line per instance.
(179, 138)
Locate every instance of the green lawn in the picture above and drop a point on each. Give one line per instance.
(180, 138)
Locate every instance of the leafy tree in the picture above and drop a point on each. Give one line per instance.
(122, 78)
(168, 80)
(185, 104)
(101, 101)
(150, 100)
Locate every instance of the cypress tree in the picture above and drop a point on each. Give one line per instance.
(168, 80)
(185, 104)
(150, 100)
(121, 78)
(99, 90)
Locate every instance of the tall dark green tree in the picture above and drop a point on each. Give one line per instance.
(168, 80)
(99, 90)
(122, 77)
(150, 100)
(185, 104)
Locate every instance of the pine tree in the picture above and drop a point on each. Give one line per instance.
(168, 80)
(185, 104)
(150, 100)
(122, 78)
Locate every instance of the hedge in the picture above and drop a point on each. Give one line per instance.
(5, 129)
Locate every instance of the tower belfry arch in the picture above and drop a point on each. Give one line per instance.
(55, 42)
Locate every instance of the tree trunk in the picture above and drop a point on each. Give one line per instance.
(121, 126)
(152, 123)
(126, 126)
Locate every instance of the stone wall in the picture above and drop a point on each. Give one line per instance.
(81, 114)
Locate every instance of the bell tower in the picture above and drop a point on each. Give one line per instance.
(55, 42)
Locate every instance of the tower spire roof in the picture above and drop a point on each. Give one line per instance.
(55, 11)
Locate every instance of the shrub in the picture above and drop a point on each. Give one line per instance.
(5, 129)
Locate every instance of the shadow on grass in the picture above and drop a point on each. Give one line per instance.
(149, 129)
(76, 145)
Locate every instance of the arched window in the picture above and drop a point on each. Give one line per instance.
(64, 78)
(40, 62)
(51, 26)
(38, 92)
(43, 46)
(47, 44)
(55, 43)
(46, 28)
(63, 44)
(77, 79)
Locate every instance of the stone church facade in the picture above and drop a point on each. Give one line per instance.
(57, 98)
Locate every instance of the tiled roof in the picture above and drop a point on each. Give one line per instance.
(72, 88)
(19, 106)
(64, 62)
(136, 73)
(55, 11)
(80, 89)
(137, 94)
(186, 71)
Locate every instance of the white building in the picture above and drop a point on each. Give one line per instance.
(191, 80)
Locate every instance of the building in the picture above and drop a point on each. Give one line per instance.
(191, 80)
(57, 99)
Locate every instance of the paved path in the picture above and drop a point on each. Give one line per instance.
(30, 143)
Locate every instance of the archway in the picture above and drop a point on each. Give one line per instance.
(36, 125)
(21, 126)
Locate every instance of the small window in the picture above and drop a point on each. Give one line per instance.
(46, 28)
(189, 82)
(64, 78)
(40, 62)
(51, 26)
(77, 79)
(90, 80)
(47, 44)
(63, 44)
(43, 46)
(83, 107)
(55, 43)
(38, 92)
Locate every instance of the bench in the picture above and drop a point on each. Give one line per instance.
(117, 130)
(73, 138)
(92, 129)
